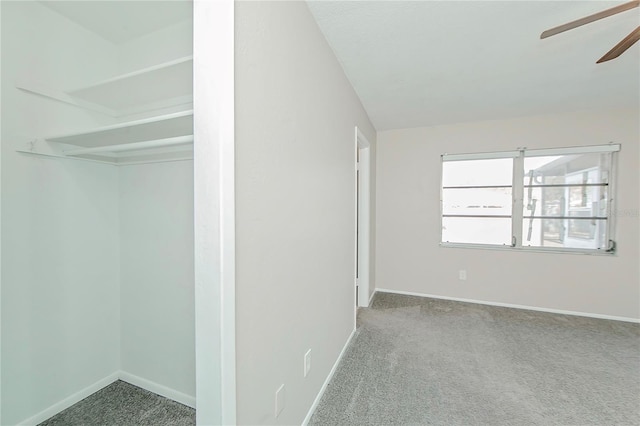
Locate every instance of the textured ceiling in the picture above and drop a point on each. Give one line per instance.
(423, 63)
(120, 21)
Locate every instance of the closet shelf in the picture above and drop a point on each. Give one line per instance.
(156, 139)
(158, 127)
(159, 86)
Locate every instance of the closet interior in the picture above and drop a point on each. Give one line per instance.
(97, 274)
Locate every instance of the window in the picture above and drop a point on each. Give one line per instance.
(477, 200)
(553, 199)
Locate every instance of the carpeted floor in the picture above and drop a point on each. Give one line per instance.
(420, 361)
(122, 404)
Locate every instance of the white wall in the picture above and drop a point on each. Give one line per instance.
(408, 226)
(59, 222)
(295, 204)
(166, 44)
(156, 274)
(156, 237)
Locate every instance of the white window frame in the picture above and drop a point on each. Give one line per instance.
(518, 193)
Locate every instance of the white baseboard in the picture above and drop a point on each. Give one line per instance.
(510, 305)
(156, 388)
(69, 401)
(102, 383)
(371, 298)
(326, 382)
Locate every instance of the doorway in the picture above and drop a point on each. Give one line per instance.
(363, 222)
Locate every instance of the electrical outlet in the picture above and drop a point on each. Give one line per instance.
(462, 274)
(279, 400)
(307, 362)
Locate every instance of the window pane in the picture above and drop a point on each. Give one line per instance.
(562, 201)
(477, 172)
(565, 233)
(580, 168)
(574, 190)
(476, 230)
(477, 202)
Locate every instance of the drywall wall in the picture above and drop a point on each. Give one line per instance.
(60, 298)
(295, 208)
(176, 41)
(156, 238)
(156, 274)
(409, 257)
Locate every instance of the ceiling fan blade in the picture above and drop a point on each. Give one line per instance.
(587, 19)
(619, 48)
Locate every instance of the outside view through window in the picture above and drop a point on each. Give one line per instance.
(565, 201)
(477, 201)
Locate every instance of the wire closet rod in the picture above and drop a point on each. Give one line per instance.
(157, 143)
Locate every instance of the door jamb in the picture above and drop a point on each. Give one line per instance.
(214, 209)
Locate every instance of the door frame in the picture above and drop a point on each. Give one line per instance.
(363, 221)
(214, 211)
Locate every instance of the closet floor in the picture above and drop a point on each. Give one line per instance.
(122, 404)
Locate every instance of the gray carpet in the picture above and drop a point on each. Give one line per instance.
(420, 361)
(122, 404)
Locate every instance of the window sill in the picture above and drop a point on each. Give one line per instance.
(528, 249)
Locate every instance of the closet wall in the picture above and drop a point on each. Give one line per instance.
(156, 276)
(156, 245)
(97, 260)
